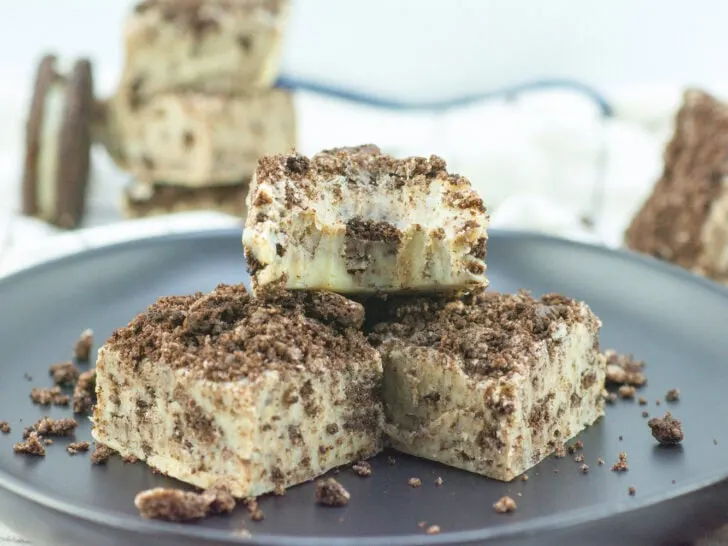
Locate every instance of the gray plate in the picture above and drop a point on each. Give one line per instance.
(676, 322)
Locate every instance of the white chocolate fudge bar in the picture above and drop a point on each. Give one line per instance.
(198, 140)
(353, 220)
(685, 219)
(262, 394)
(491, 383)
(208, 46)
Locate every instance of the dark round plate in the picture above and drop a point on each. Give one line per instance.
(676, 322)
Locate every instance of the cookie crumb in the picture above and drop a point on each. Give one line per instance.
(666, 430)
(433, 530)
(101, 454)
(623, 369)
(5, 427)
(64, 373)
(579, 444)
(77, 447)
(642, 401)
(657, 402)
(362, 468)
(626, 392)
(329, 492)
(48, 442)
(256, 514)
(171, 504)
(600, 461)
(439, 481)
(621, 465)
(611, 398)
(414, 482)
(130, 459)
(31, 446)
(584, 468)
(52, 427)
(621, 437)
(422, 524)
(560, 451)
(524, 478)
(220, 498)
(579, 458)
(505, 505)
(391, 460)
(632, 491)
(82, 350)
(49, 397)
(84, 392)
(27, 376)
(673, 395)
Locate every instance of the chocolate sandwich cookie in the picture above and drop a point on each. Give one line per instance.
(58, 144)
(142, 200)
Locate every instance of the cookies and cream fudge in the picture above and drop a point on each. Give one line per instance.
(195, 140)
(209, 46)
(261, 393)
(141, 200)
(685, 219)
(354, 220)
(490, 383)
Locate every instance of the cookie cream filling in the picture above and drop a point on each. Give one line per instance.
(48, 152)
(357, 221)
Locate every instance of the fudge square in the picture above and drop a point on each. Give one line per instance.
(490, 383)
(261, 393)
(356, 221)
(685, 218)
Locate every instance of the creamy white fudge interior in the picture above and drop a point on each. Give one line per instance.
(354, 220)
(490, 383)
(198, 140)
(210, 46)
(263, 394)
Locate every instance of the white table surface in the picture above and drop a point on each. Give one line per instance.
(533, 159)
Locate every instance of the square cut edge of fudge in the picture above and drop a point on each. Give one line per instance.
(263, 394)
(490, 383)
(355, 220)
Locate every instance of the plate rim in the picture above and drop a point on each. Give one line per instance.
(166, 530)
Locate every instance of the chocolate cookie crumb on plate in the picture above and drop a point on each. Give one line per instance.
(439, 481)
(433, 530)
(632, 491)
(64, 373)
(256, 514)
(584, 468)
(600, 461)
(673, 395)
(329, 492)
(414, 482)
(52, 427)
(47, 441)
(84, 392)
(626, 392)
(645, 414)
(642, 401)
(524, 478)
(130, 459)
(49, 397)
(505, 505)
(666, 430)
(611, 398)
(31, 446)
(362, 468)
(77, 447)
(82, 350)
(172, 505)
(621, 465)
(221, 500)
(5, 427)
(101, 454)
(623, 369)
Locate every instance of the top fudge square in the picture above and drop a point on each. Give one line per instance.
(357, 221)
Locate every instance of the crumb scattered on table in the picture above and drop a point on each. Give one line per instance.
(667, 430)
(505, 505)
(329, 492)
(78, 447)
(362, 468)
(82, 350)
(5, 427)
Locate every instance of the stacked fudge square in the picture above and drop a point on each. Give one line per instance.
(195, 107)
(369, 326)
